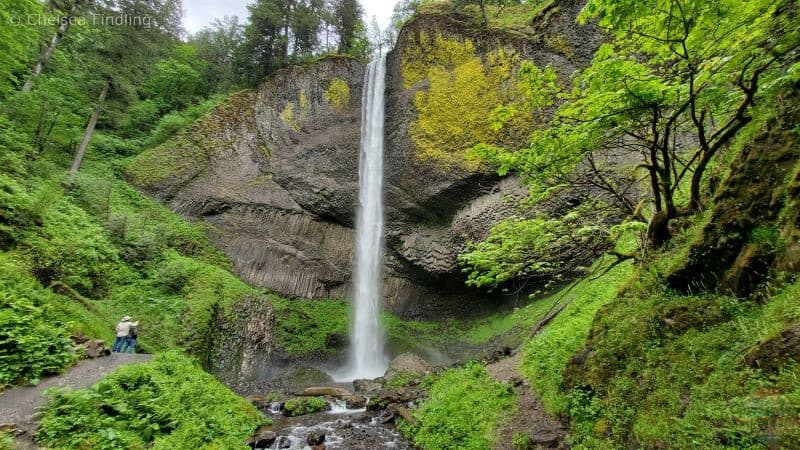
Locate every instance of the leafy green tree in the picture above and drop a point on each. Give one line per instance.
(216, 46)
(348, 23)
(174, 85)
(124, 52)
(679, 81)
(67, 12)
(265, 46)
(17, 39)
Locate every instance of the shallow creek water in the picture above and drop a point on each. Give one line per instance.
(345, 429)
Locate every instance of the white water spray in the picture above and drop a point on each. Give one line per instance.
(367, 357)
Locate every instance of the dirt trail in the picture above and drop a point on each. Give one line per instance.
(18, 405)
(531, 419)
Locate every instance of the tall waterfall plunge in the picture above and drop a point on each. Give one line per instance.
(367, 357)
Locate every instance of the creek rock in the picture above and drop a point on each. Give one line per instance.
(315, 438)
(368, 386)
(407, 363)
(262, 439)
(273, 171)
(383, 399)
(355, 401)
(324, 391)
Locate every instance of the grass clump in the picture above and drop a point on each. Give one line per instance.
(168, 403)
(302, 406)
(463, 410)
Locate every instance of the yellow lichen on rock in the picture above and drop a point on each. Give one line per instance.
(288, 116)
(338, 94)
(305, 103)
(436, 51)
(463, 91)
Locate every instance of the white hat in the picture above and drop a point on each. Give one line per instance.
(126, 318)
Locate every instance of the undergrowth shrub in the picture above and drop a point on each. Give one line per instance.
(463, 410)
(71, 248)
(33, 340)
(168, 403)
(177, 121)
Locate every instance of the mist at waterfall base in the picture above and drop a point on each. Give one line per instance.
(367, 358)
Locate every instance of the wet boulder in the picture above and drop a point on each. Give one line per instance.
(771, 355)
(316, 440)
(262, 439)
(367, 386)
(323, 391)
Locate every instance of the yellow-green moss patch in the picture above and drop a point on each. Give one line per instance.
(288, 117)
(338, 94)
(454, 113)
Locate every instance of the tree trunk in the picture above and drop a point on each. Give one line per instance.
(66, 22)
(87, 136)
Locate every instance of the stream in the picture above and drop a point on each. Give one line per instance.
(345, 429)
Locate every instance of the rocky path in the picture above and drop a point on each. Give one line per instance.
(531, 419)
(18, 405)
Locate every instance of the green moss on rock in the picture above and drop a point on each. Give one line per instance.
(338, 94)
(185, 154)
(464, 88)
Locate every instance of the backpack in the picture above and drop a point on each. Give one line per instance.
(132, 332)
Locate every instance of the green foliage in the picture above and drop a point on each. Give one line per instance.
(538, 248)
(17, 39)
(33, 339)
(6, 441)
(174, 122)
(71, 248)
(669, 372)
(522, 441)
(304, 405)
(15, 211)
(463, 410)
(401, 379)
(546, 355)
(168, 403)
(302, 326)
(174, 85)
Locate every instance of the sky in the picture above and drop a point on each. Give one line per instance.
(199, 13)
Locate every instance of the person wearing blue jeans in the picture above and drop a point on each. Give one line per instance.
(124, 339)
(130, 344)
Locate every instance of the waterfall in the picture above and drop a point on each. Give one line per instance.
(367, 357)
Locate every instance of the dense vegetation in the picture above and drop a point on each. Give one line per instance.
(167, 403)
(640, 145)
(463, 409)
(657, 125)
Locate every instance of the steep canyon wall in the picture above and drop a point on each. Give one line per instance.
(273, 172)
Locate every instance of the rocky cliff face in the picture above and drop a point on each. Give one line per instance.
(274, 172)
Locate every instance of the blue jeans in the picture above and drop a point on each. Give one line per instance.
(130, 345)
(118, 342)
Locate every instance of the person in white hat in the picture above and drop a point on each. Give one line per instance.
(123, 329)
